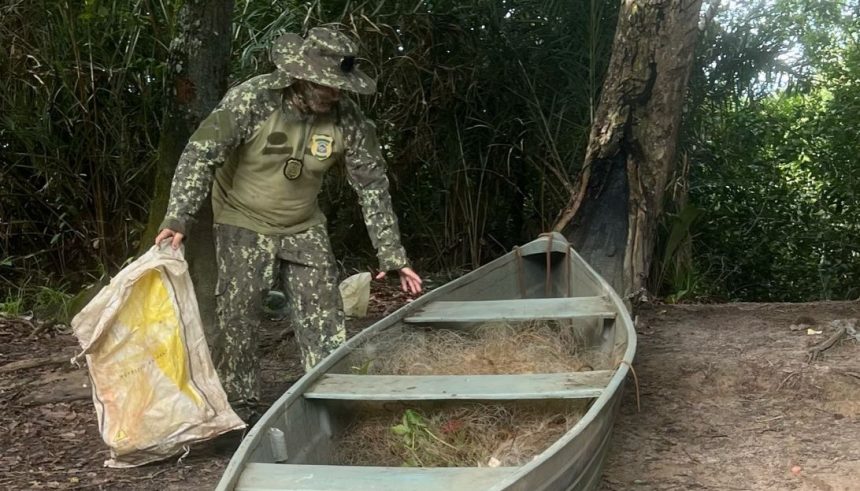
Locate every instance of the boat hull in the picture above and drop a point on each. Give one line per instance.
(542, 269)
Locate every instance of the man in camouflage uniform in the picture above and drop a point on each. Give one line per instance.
(268, 144)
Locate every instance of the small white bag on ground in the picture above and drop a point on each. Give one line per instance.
(155, 389)
(355, 292)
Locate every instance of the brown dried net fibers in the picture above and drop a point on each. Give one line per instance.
(493, 348)
(466, 435)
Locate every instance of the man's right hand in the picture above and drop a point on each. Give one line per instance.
(167, 233)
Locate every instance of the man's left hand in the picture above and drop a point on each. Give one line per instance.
(409, 280)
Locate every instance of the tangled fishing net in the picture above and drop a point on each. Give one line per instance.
(466, 434)
(493, 348)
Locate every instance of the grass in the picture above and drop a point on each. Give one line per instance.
(44, 303)
(12, 307)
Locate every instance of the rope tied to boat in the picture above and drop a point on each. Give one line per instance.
(520, 273)
(568, 270)
(635, 380)
(567, 264)
(548, 265)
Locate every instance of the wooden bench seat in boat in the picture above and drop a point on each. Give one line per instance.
(527, 309)
(260, 477)
(571, 385)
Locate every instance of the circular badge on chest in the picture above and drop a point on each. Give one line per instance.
(293, 169)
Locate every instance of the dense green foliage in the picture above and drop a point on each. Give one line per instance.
(478, 104)
(773, 148)
(80, 102)
(483, 109)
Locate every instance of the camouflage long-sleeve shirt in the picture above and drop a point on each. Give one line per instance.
(245, 144)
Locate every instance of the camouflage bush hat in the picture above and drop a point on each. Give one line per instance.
(324, 56)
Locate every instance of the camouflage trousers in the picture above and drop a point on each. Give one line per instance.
(249, 264)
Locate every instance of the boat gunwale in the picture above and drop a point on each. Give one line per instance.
(557, 243)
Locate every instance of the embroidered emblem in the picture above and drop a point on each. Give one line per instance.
(293, 169)
(321, 146)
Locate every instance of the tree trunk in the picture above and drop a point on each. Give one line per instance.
(198, 63)
(612, 218)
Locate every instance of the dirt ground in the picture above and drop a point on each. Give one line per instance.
(728, 401)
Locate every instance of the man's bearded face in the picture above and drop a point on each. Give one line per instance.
(317, 98)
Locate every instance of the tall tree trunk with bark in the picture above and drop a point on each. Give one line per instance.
(198, 63)
(612, 218)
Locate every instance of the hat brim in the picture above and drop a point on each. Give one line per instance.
(292, 65)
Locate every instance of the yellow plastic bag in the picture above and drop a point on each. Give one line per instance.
(155, 389)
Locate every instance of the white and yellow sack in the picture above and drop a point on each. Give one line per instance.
(355, 293)
(155, 389)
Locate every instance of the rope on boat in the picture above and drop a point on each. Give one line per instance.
(635, 380)
(548, 264)
(520, 273)
(568, 272)
(567, 267)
